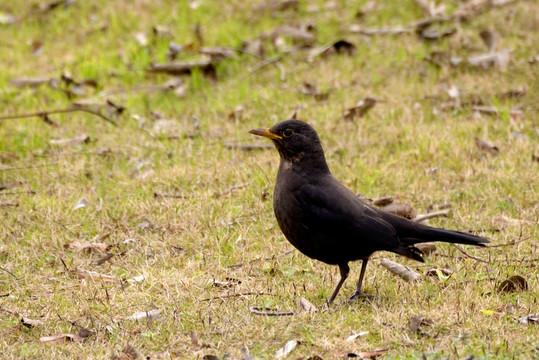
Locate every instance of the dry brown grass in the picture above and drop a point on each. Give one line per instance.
(185, 246)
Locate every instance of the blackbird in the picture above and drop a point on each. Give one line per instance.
(326, 221)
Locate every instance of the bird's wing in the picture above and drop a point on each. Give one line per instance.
(333, 209)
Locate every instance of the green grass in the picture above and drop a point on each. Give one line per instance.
(193, 240)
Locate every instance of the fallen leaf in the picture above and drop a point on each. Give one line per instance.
(487, 312)
(338, 47)
(383, 201)
(31, 323)
(152, 315)
(77, 140)
(141, 39)
(513, 283)
(307, 305)
(87, 247)
(184, 68)
(379, 31)
(131, 353)
(80, 204)
(486, 146)
(400, 270)
(286, 349)
(210, 357)
(489, 38)
(442, 273)
(297, 34)
(416, 322)
(86, 274)
(402, 210)
(7, 19)
(136, 279)
(356, 335)
(162, 31)
(426, 248)
(529, 319)
(60, 338)
(310, 89)
(236, 113)
(360, 109)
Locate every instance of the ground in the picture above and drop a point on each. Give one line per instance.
(166, 197)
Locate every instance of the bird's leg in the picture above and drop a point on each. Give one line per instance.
(358, 293)
(344, 269)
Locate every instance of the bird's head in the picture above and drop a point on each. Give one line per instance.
(297, 143)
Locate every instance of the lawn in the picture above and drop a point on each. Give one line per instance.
(136, 213)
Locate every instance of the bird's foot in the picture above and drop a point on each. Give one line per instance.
(361, 295)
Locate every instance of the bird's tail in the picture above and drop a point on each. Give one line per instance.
(450, 236)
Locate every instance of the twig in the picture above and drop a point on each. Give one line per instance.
(261, 66)
(28, 166)
(235, 295)
(431, 215)
(514, 242)
(246, 147)
(261, 259)
(231, 189)
(257, 311)
(9, 272)
(57, 111)
(470, 256)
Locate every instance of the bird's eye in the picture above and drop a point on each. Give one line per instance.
(288, 133)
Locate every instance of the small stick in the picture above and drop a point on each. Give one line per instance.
(431, 215)
(261, 259)
(246, 147)
(28, 166)
(470, 256)
(255, 310)
(57, 111)
(514, 242)
(234, 295)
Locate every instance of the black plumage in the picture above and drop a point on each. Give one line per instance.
(326, 221)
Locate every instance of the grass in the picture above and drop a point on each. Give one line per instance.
(223, 213)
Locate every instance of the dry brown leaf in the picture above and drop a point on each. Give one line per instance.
(426, 248)
(60, 338)
(383, 201)
(87, 247)
(338, 47)
(417, 322)
(307, 305)
(529, 319)
(77, 140)
(403, 210)
(254, 47)
(236, 114)
(297, 34)
(152, 315)
(184, 68)
(489, 38)
(486, 146)
(277, 5)
(379, 31)
(80, 204)
(400, 270)
(131, 353)
(86, 274)
(513, 283)
(7, 19)
(162, 31)
(360, 109)
(311, 90)
(440, 273)
(286, 349)
(31, 323)
(356, 335)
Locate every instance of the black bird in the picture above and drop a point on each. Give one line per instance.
(326, 221)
